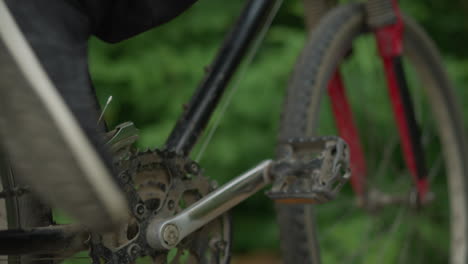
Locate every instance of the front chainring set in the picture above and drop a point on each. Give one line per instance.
(160, 184)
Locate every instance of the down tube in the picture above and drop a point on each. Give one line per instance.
(236, 45)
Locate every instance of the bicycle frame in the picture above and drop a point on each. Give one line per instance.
(254, 17)
(189, 127)
(166, 233)
(387, 23)
(236, 45)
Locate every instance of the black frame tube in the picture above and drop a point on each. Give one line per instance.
(203, 103)
(414, 130)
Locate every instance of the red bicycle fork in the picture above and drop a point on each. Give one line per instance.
(389, 40)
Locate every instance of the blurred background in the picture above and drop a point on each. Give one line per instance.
(153, 75)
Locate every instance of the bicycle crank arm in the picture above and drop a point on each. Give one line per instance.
(311, 171)
(163, 234)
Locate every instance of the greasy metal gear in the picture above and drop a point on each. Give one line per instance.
(158, 184)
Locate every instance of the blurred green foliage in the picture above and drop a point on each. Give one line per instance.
(152, 76)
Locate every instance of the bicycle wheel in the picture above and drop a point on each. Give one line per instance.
(399, 233)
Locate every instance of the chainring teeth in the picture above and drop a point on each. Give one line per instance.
(164, 184)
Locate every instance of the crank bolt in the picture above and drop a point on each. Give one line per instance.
(170, 235)
(124, 177)
(218, 244)
(214, 184)
(192, 168)
(221, 245)
(139, 210)
(134, 250)
(171, 204)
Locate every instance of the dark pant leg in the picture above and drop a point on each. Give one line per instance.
(58, 33)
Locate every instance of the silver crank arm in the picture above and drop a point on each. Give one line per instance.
(298, 178)
(163, 234)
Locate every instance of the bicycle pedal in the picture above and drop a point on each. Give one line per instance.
(312, 171)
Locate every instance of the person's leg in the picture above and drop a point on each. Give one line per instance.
(116, 20)
(41, 147)
(58, 33)
(59, 154)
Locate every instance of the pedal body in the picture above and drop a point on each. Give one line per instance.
(312, 171)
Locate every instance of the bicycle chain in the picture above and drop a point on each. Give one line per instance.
(16, 191)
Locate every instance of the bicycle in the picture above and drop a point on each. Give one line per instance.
(307, 170)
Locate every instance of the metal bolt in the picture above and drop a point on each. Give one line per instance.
(170, 234)
(134, 250)
(140, 210)
(171, 204)
(221, 245)
(124, 177)
(217, 244)
(214, 184)
(192, 168)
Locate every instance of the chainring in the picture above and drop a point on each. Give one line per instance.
(160, 184)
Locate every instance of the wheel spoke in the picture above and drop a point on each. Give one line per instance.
(438, 164)
(378, 237)
(349, 211)
(392, 233)
(387, 156)
(363, 247)
(405, 254)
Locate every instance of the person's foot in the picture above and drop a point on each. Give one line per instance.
(48, 149)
